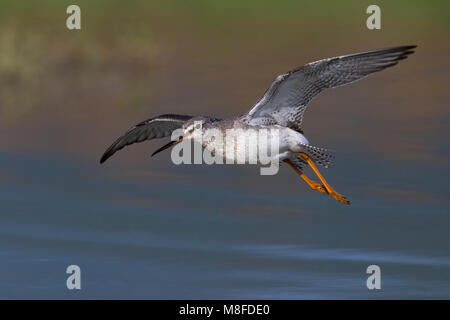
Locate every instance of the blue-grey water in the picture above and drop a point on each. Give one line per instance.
(208, 234)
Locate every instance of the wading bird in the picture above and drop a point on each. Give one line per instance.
(282, 107)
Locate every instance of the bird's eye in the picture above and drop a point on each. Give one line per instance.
(197, 126)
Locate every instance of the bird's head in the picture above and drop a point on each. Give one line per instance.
(192, 128)
(194, 125)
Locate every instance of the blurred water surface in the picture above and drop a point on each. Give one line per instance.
(145, 228)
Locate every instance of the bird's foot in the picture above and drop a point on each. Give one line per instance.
(339, 197)
(322, 189)
(318, 187)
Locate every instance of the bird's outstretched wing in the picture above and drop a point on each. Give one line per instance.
(157, 127)
(288, 96)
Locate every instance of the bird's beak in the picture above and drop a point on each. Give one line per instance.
(170, 144)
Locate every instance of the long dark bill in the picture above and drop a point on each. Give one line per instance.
(170, 144)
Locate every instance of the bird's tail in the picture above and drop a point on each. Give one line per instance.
(321, 156)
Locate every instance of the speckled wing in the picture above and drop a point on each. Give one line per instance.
(285, 101)
(158, 127)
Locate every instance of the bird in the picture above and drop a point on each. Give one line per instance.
(281, 107)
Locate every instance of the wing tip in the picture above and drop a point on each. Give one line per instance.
(397, 51)
(109, 152)
(402, 51)
(104, 158)
(407, 47)
(400, 48)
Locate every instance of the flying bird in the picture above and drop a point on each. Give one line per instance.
(281, 107)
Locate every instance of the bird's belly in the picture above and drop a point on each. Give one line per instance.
(252, 146)
(245, 150)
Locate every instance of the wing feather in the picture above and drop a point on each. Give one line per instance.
(285, 101)
(157, 127)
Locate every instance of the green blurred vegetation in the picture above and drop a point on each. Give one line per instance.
(40, 60)
(206, 11)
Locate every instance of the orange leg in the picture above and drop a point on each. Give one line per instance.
(330, 190)
(314, 185)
